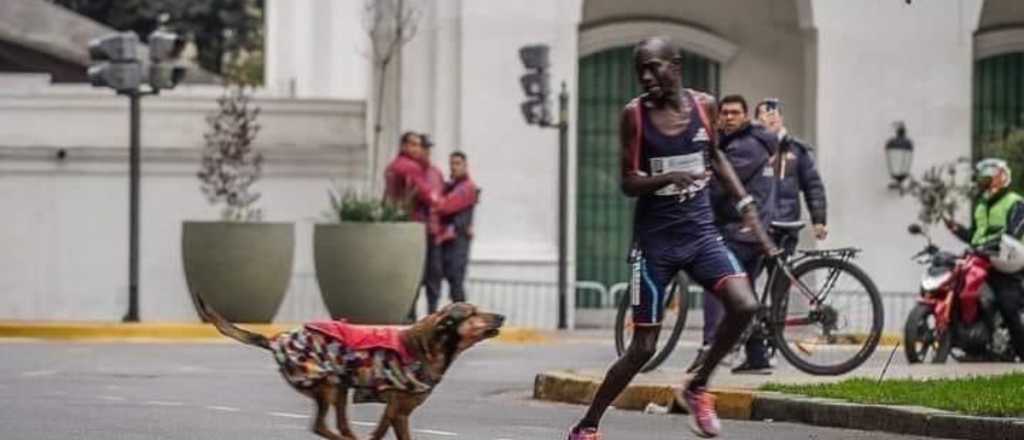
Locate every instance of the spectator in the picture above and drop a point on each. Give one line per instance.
(455, 210)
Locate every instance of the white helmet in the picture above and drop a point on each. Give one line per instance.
(993, 175)
(1010, 258)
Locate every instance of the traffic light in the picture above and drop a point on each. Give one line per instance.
(164, 49)
(536, 84)
(115, 62)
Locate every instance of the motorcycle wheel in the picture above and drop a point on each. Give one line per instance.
(920, 337)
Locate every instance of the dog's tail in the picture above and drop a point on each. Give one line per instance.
(226, 327)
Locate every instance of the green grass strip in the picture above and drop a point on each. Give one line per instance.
(998, 396)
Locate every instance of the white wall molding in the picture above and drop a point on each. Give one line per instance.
(998, 42)
(342, 162)
(627, 33)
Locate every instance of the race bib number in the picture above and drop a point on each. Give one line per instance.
(692, 163)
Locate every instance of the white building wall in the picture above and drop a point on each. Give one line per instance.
(66, 239)
(460, 83)
(882, 61)
(317, 49)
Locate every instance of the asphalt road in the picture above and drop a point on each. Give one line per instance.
(227, 391)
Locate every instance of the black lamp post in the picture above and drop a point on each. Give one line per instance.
(899, 154)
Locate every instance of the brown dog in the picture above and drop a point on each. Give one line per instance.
(398, 366)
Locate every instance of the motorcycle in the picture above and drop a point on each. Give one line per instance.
(957, 314)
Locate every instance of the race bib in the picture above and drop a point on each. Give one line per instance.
(692, 163)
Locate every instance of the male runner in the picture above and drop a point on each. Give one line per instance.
(666, 136)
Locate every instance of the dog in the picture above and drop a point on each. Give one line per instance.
(398, 366)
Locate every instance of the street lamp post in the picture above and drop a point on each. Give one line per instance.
(537, 111)
(116, 65)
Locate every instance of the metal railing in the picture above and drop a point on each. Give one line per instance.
(535, 303)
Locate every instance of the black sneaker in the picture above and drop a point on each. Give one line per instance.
(753, 368)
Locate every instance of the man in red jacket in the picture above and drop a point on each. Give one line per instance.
(433, 272)
(455, 210)
(406, 180)
(416, 185)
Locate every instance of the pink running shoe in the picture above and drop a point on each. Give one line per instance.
(701, 404)
(584, 434)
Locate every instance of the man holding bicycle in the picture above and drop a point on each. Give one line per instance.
(667, 139)
(750, 149)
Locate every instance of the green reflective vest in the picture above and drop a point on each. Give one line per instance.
(990, 220)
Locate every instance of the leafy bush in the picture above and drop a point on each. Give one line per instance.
(229, 163)
(941, 190)
(357, 207)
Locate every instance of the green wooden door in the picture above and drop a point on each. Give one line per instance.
(999, 111)
(603, 214)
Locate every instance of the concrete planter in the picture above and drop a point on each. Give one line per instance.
(369, 272)
(241, 269)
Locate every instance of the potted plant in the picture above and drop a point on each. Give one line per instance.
(240, 264)
(369, 259)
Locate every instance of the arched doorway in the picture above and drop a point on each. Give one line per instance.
(604, 215)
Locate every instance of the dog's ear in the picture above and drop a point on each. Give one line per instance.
(453, 316)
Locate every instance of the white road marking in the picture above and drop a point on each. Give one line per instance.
(39, 373)
(433, 432)
(288, 415)
(111, 398)
(163, 403)
(421, 431)
(223, 408)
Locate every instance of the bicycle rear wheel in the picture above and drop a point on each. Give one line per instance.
(830, 321)
(675, 321)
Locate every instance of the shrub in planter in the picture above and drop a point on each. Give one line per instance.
(240, 264)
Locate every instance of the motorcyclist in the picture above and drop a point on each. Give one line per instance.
(998, 211)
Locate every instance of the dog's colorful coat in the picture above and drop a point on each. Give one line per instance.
(369, 359)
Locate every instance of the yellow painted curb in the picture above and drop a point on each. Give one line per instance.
(567, 387)
(114, 331)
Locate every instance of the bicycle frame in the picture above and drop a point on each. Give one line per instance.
(785, 265)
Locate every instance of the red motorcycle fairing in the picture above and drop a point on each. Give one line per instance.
(975, 273)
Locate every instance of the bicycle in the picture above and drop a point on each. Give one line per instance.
(782, 318)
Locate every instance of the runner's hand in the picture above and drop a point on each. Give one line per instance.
(683, 179)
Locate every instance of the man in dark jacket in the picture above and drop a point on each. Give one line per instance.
(455, 210)
(797, 174)
(750, 149)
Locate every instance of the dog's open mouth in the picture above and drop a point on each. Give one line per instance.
(490, 333)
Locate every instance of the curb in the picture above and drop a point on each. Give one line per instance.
(126, 332)
(567, 387)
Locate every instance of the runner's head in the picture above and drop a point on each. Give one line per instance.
(659, 67)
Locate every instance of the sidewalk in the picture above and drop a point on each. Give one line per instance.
(738, 398)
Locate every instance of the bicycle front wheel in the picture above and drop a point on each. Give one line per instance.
(827, 319)
(674, 321)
